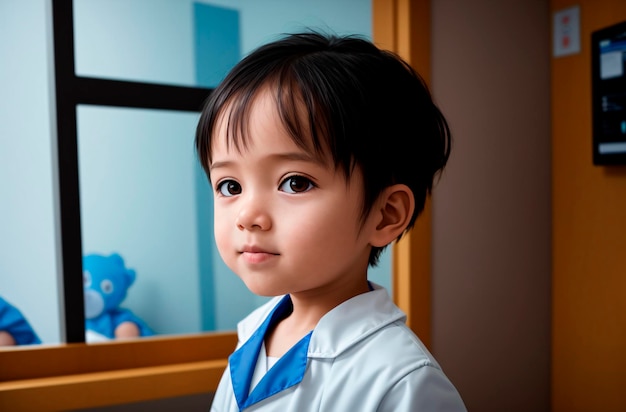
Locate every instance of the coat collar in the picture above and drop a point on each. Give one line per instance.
(352, 321)
(336, 332)
(287, 372)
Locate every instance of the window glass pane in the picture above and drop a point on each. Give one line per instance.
(179, 42)
(194, 43)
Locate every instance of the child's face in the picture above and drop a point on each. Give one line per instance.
(286, 221)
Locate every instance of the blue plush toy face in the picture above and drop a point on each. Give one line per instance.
(106, 281)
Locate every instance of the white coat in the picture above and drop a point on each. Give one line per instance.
(361, 357)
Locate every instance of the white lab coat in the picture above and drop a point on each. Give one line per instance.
(361, 357)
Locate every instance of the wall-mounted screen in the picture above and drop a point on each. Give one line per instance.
(608, 57)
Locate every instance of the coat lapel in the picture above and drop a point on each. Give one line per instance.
(287, 372)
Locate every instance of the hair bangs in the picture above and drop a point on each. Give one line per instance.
(305, 118)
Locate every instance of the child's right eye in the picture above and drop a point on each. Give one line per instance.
(229, 188)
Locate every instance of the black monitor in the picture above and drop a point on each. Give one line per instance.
(608, 70)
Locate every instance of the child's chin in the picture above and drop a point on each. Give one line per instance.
(264, 290)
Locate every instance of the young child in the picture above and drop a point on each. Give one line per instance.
(321, 150)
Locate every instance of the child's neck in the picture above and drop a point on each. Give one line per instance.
(307, 312)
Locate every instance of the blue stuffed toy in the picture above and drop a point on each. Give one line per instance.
(106, 281)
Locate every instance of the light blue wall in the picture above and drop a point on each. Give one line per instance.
(161, 52)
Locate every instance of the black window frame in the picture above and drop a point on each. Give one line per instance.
(70, 91)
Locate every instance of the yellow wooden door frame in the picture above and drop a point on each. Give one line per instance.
(403, 26)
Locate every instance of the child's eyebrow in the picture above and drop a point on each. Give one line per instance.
(299, 156)
(290, 156)
(217, 165)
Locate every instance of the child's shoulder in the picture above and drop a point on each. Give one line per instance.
(397, 343)
(371, 326)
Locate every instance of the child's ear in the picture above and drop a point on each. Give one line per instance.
(395, 209)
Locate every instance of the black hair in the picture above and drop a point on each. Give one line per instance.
(364, 107)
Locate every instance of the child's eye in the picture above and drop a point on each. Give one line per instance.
(229, 188)
(296, 184)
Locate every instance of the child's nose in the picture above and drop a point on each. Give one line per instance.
(253, 217)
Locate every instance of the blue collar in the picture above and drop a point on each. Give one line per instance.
(287, 372)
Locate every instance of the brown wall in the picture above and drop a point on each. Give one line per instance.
(589, 241)
(491, 210)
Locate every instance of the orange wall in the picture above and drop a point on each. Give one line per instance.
(589, 237)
